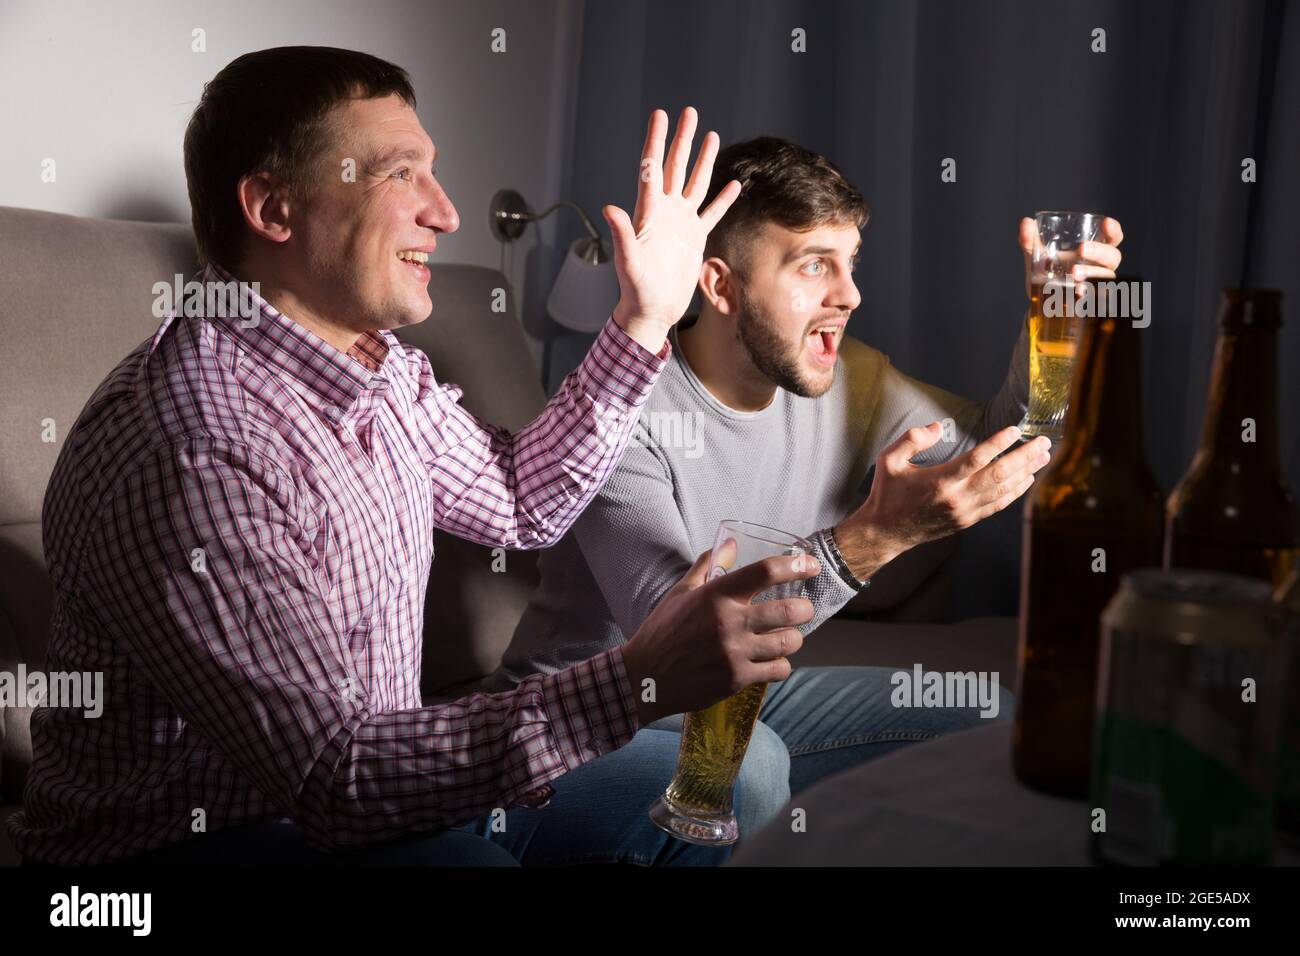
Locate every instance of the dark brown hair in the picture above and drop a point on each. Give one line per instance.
(782, 183)
(269, 111)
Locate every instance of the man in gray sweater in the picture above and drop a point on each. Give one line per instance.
(768, 413)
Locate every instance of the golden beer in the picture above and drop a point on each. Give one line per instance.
(1053, 342)
(697, 804)
(714, 741)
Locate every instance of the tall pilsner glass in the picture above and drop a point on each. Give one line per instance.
(697, 806)
(1054, 328)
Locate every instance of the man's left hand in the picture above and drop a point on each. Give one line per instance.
(659, 250)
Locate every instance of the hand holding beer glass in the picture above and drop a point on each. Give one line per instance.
(697, 806)
(1054, 329)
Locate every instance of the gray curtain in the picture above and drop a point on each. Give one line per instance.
(1153, 131)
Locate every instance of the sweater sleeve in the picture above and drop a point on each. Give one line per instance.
(906, 402)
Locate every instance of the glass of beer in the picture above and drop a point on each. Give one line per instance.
(1054, 328)
(697, 806)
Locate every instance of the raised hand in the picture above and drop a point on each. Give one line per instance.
(658, 251)
(912, 504)
(1097, 260)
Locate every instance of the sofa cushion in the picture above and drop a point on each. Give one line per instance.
(75, 323)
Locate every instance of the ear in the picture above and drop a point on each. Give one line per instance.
(718, 285)
(264, 200)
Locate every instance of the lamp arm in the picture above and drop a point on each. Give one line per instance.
(591, 230)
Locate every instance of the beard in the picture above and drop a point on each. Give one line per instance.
(772, 355)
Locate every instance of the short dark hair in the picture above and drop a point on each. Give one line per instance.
(782, 183)
(268, 111)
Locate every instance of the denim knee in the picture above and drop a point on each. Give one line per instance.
(763, 785)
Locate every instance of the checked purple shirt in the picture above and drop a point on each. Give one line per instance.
(239, 533)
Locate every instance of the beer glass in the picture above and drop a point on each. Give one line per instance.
(1054, 329)
(697, 806)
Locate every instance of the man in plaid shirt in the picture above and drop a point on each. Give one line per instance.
(239, 527)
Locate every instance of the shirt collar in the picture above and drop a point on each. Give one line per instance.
(331, 380)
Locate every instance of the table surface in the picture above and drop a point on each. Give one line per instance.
(949, 801)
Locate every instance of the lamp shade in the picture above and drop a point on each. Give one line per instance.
(584, 294)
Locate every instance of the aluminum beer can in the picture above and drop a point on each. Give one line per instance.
(1287, 600)
(1189, 704)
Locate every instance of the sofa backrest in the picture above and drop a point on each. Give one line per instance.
(76, 295)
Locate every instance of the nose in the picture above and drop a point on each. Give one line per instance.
(843, 294)
(438, 213)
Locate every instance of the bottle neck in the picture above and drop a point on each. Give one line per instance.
(1243, 389)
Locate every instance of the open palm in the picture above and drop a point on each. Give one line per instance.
(659, 249)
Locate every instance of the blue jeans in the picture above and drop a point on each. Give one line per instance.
(818, 722)
(598, 815)
(834, 718)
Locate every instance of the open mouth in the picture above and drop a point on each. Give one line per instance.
(823, 343)
(415, 260)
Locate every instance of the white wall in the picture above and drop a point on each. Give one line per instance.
(106, 88)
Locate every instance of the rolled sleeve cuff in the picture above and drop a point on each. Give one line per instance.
(591, 707)
(618, 366)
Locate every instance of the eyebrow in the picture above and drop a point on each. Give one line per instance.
(396, 154)
(816, 251)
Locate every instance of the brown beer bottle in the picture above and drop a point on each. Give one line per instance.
(1233, 511)
(1093, 514)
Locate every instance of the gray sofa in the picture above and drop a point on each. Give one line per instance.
(76, 295)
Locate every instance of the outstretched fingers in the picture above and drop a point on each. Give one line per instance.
(721, 203)
(680, 154)
(650, 179)
(698, 187)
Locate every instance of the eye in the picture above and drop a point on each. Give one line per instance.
(814, 262)
(405, 170)
(853, 263)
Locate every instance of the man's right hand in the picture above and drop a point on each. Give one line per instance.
(705, 641)
(911, 504)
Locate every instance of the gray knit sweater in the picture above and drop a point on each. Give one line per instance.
(797, 465)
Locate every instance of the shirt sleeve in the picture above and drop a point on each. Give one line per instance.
(637, 546)
(906, 403)
(200, 570)
(525, 490)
